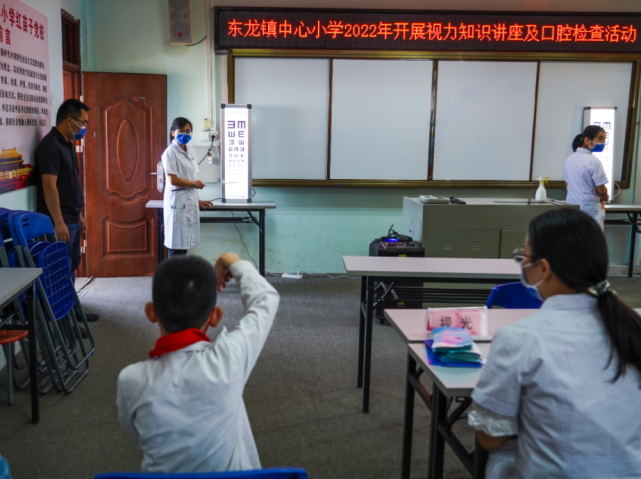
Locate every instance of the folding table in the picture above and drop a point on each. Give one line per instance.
(14, 282)
(374, 269)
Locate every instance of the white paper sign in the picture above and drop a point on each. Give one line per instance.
(235, 150)
(473, 319)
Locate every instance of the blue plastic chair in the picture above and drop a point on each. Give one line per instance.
(59, 330)
(283, 473)
(512, 296)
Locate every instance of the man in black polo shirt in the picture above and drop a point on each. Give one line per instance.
(56, 173)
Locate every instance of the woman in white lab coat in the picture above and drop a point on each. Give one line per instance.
(559, 394)
(181, 204)
(585, 178)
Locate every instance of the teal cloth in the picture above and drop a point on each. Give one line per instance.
(454, 345)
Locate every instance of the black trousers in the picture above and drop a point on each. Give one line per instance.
(176, 252)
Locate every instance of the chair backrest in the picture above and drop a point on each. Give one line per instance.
(5, 233)
(283, 473)
(55, 277)
(512, 296)
(28, 226)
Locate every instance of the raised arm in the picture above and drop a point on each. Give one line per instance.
(260, 300)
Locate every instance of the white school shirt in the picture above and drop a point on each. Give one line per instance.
(186, 407)
(549, 372)
(180, 205)
(583, 173)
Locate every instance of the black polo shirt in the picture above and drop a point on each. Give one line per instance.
(56, 155)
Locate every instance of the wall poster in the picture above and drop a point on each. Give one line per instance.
(25, 116)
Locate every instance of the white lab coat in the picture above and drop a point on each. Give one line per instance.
(546, 380)
(583, 173)
(180, 205)
(186, 407)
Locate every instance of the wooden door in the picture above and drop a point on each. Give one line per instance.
(126, 137)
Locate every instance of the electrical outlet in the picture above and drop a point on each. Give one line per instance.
(292, 276)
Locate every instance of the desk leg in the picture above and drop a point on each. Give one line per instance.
(33, 353)
(437, 442)
(261, 242)
(408, 421)
(369, 313)
(160, 233)
(480, 461)
(633, 240)
(361, 331)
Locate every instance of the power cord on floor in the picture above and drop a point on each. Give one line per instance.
(243, 241)
(329, 275)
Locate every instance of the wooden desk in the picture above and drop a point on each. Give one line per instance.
(374, 269)
(14, 282)
(248, 208)
(632, 212)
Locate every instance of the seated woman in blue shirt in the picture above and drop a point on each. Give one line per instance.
(560, 394)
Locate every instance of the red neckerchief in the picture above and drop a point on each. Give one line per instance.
(175, 341)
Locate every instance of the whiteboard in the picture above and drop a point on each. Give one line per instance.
(565, 88)
(290, 115)
(484, 120)
(381, 119)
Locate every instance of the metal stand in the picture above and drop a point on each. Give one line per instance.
(249, 219)
(440, 429)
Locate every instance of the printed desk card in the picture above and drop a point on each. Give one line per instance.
(473, 320)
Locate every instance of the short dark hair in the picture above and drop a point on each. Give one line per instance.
(178, 124)
(71, 107)
(184, 292)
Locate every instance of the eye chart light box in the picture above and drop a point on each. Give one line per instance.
(604, 116)
(235, 152)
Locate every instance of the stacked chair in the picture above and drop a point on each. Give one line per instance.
(63, 355)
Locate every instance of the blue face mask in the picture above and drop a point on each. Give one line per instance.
(532, 289)
(81, 134)
(183, 138)
(598, 147)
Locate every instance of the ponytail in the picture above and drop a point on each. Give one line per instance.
(577, 142)
(574, 245)
(623, 327)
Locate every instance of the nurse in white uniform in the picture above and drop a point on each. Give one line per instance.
(585, 178)
(560, 392)
(181, 204)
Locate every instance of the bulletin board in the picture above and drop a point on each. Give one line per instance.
(459, 116)
(25, 97)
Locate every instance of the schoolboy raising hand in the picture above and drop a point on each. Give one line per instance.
(185, 405)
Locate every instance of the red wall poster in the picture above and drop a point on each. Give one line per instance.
(25, 116)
